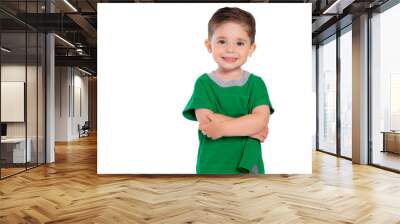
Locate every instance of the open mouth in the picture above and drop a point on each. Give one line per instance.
(229, 59)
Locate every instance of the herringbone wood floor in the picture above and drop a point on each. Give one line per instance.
(70, 191)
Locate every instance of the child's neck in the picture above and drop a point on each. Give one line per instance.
(227, 75)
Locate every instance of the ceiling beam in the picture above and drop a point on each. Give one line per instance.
(84, 61)
(337, 7)
(84, 24)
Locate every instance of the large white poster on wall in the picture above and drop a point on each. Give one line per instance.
(149, 57)
(12, 101)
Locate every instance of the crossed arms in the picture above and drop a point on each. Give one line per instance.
(216, 125)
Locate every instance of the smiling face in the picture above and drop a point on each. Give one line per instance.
(230, 46)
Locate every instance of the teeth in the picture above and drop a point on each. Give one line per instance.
(229, 59)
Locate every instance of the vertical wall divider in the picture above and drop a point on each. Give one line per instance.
(37, 88)
(369, 88)
(26, 86)
(69, 92)
(60, 75)
(0, 96)
(44, 77)
(73, 92)
(317, 96)
(44, 89)
(338, 81)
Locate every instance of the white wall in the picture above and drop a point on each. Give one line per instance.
(80, 118)
(68, 83)
(61, 103)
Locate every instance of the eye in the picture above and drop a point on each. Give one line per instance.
(240, 43)
(221, 42)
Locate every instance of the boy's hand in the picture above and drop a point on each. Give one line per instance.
(205, 121)
(212, 129)
(211, 126)
(211, 117)
(215, 117)
(262, 135)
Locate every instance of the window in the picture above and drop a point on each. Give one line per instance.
(327, 96)
(346, 92)
(385, 88)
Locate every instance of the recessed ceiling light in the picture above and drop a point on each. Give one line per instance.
(64, 40)
(337, 7)
(70, 5)
(5, 49)
(86, 72)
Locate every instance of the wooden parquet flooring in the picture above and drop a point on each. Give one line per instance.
(70, 191)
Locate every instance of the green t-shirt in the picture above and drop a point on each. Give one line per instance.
(228, 155)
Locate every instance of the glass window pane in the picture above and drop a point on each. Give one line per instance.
(41, 98)
(31, 100)
(327, 96)
(346, 94)
(22, 88)
(13, 87)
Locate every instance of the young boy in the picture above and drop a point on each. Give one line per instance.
(231, 105)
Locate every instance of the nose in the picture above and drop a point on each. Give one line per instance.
(230, 47)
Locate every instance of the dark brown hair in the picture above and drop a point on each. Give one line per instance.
(236, 15)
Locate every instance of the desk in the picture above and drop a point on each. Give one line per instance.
(391, 141)
(15, 148)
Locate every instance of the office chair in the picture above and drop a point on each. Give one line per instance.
(84, 130)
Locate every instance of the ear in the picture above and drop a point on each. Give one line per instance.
(207, 43)
(252, 49)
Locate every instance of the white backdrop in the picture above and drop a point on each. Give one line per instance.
(149, 56)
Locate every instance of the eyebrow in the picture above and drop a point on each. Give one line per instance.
(240, 39)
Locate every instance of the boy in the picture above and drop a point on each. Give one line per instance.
(231, 105)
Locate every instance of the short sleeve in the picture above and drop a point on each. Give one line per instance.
(261, 96)
(199, 99)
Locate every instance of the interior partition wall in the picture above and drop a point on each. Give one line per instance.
(22, 77)
(13, 109)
